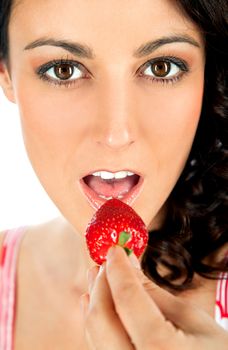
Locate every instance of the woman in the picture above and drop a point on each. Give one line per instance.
(107, 90)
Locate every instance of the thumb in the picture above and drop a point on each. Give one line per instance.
(183, 314)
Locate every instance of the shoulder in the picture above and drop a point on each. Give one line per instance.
(40, 241)
(45, 233)
(47, 246)
(35, 234)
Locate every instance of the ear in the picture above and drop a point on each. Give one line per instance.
(6, 82)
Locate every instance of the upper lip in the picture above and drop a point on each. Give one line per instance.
(113, 171)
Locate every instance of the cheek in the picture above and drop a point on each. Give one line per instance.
(172, 119)
(52, 124)
(170, 124)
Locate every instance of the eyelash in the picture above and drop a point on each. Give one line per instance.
(41, 71)
(181, 64)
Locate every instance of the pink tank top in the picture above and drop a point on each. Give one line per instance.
(8, 265)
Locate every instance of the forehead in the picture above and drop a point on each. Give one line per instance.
(101, 24)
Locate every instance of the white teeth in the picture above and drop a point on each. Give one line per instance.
(104, 197)
(98, 173)
(106, 175)
(107, 198)
(121, 175)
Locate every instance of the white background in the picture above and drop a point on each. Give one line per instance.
(22, 199)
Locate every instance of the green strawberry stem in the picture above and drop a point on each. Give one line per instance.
(123, 238)
(128, 251)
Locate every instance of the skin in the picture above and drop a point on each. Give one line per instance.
(115, 119)
(112, 118)
(133, 313)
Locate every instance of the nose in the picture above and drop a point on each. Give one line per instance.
(114, 120)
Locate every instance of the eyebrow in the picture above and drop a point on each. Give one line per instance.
(77, 49)
(82, 50)
(151, 46)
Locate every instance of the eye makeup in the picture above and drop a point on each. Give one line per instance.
(171, 69)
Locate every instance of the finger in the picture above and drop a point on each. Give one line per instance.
(91, 277)
(84, 303)
(195, 328)
(138, 312)
(103, 327)
(184, 314)
(181, 313)
(135, 262)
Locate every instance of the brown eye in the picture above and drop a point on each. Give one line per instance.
(161, 68)
(63, 71)
(164, 69)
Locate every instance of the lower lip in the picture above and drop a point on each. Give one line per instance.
(96, 202)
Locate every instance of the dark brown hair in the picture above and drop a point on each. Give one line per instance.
(196, 221)
(196, 224)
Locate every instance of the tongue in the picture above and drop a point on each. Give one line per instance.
(112, 188)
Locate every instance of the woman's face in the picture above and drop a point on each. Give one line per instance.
(115, 110)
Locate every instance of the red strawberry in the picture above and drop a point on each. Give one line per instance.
(115, 223)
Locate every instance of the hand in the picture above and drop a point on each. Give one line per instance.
(125, 310)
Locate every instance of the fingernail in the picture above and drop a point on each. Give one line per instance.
(101, 269)
(134, 261)
(111, 252)
(91, 276)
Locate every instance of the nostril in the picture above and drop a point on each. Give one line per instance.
(118, 138)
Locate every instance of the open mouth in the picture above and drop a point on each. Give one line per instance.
(102, 186)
